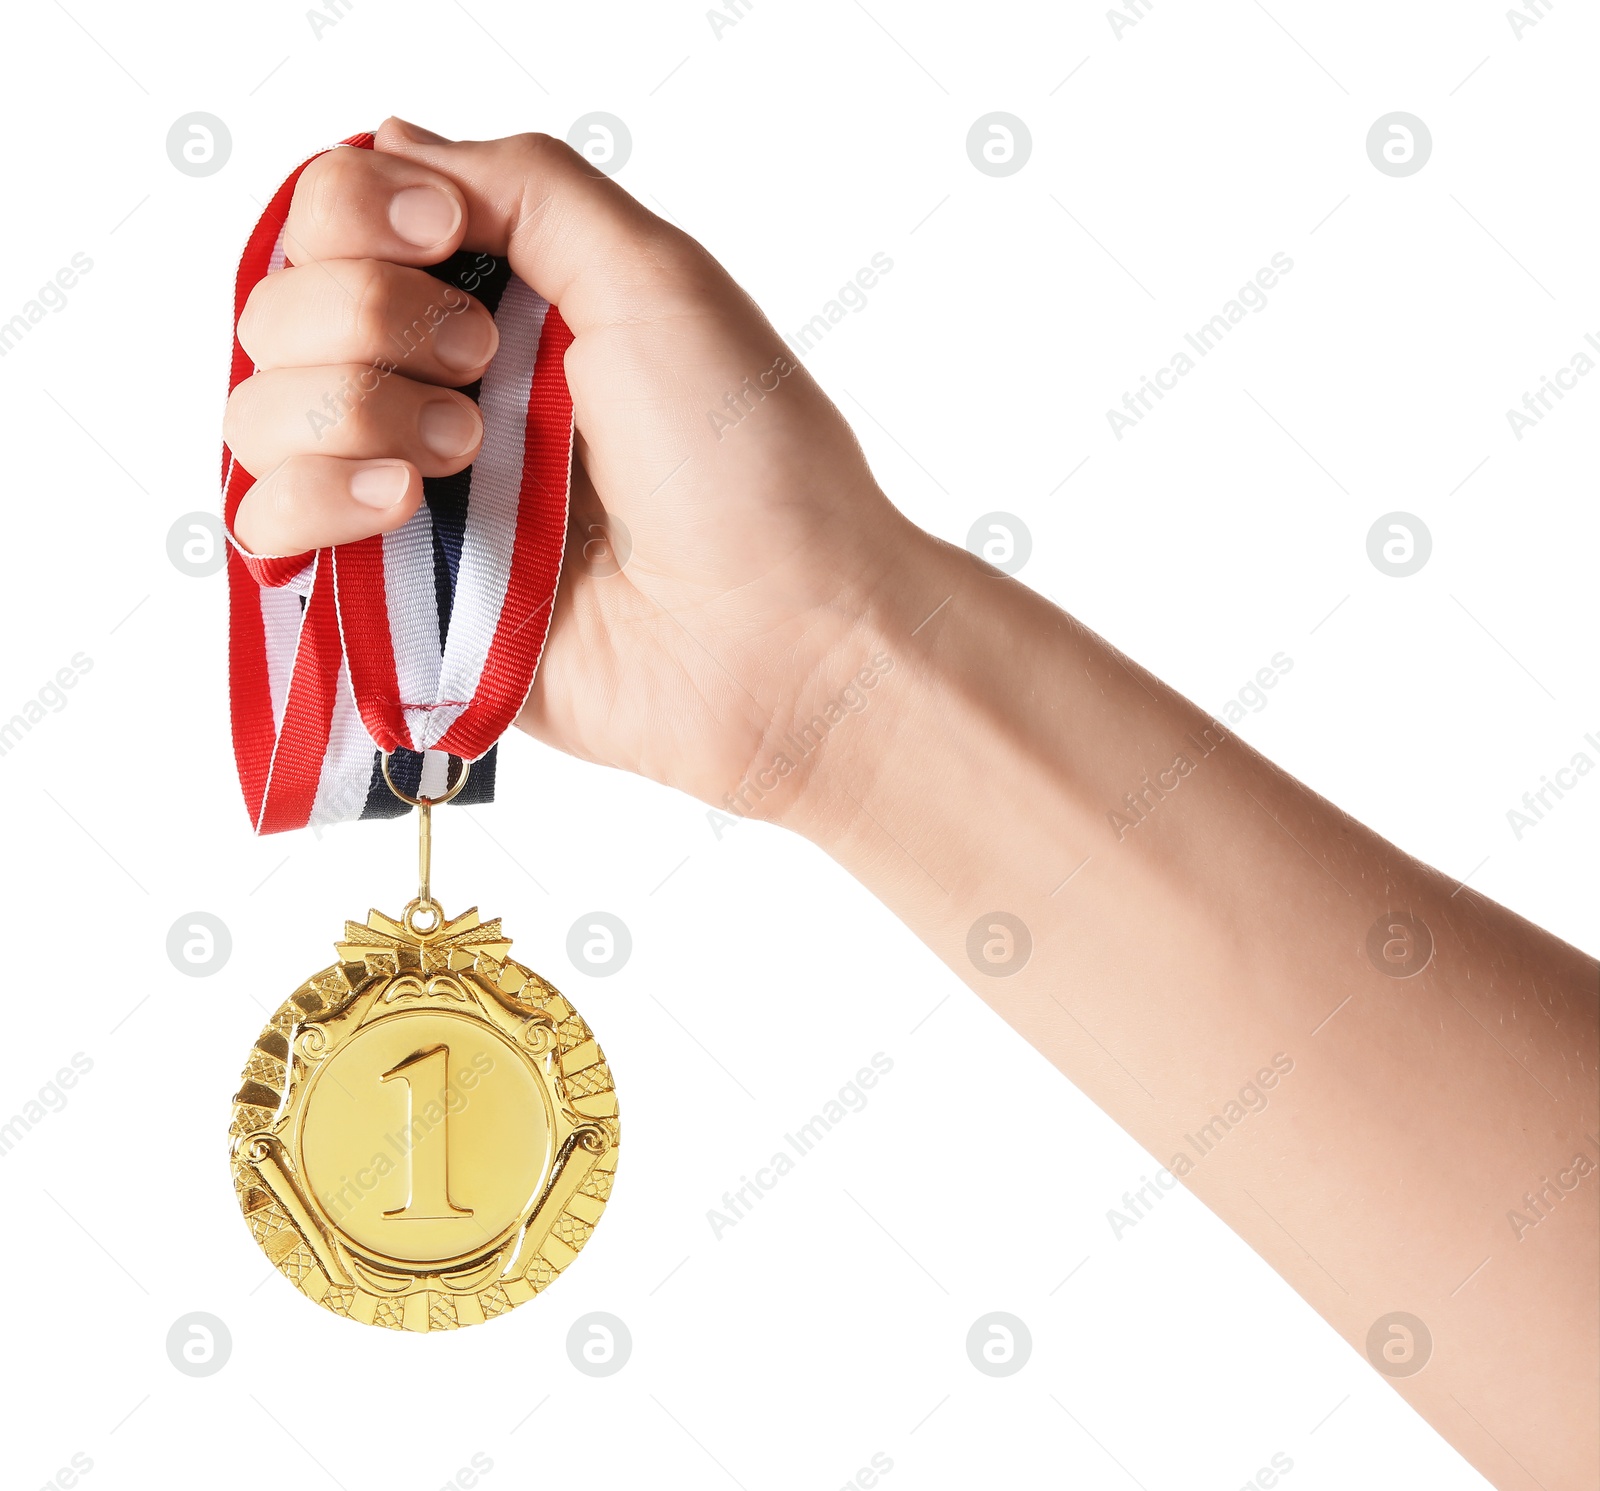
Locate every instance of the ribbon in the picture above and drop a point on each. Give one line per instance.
(424, 641)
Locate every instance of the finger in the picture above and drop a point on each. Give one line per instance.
(352, 411)
(312, 502)
(363, 310)
(357, 204)
(570, 231)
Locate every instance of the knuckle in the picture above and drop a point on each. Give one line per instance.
(238, 415)
(253, 318)
(536, 147)
(374, 311)
(295, 487)
(275, 493)
(271, 517)
(362, 422)
(540, 160)
(666, 263)
(675, 253)
(318, 192)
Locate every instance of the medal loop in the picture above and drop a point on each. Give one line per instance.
(424, 905)
(426, 802)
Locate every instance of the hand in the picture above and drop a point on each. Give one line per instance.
(756, 546)
(1175, 918)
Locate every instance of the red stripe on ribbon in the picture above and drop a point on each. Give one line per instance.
(256, 741)
(254, 731)
(308, 716)
(536, 558)
(362, 591)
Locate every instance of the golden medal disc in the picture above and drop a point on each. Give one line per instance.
(426, 1131)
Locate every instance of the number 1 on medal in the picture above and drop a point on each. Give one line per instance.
(427, 1158)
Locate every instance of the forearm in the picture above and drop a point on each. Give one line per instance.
(1198, 918)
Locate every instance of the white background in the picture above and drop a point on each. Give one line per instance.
(1229, 526)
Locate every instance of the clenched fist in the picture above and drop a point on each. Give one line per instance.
(757, 547)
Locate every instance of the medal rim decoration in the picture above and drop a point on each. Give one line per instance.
(321, 646)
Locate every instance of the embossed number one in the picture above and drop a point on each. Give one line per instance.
(428, 1157)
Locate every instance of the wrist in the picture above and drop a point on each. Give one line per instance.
(874, 689)
(850, 689)
(985, 694)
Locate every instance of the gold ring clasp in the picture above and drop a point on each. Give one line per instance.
(424, 905)
(426, 802)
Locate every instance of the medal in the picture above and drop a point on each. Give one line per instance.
(425, 1133)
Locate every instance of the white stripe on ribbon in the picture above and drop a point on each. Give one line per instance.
(484, 573)
(413, 605)
(435, 779)
(280, 629)
(347, 765)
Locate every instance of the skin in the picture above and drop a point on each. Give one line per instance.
(1180, 942)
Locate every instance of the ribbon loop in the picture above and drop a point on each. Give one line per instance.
(422, 642)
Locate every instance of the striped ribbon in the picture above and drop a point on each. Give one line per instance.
(422, 642)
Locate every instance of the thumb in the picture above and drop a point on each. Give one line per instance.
(569, 231)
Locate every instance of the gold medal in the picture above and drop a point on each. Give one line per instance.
(426, 1131)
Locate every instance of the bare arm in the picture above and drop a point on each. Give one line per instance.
(1208, 934)
(1200, 929)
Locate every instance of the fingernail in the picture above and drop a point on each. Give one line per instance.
(424, 215)
(465, 340)
(416, 133)
(380, 486)
(447, 428)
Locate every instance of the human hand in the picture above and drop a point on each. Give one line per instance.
(1157, 930)
(756, 546)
